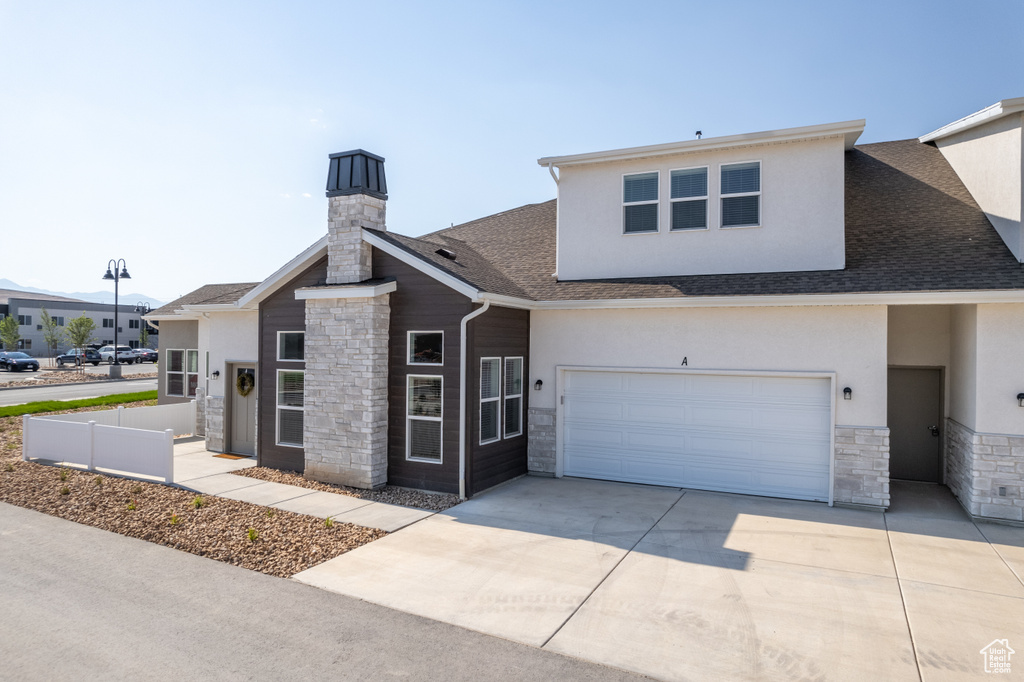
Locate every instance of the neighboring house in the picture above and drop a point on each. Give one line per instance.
(780, 313)
(27, 307)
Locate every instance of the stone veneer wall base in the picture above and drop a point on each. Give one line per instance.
(861, 475)
(540, 441)
(985, 471)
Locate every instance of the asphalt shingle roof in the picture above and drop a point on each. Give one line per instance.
(911, 225)
(207, 294)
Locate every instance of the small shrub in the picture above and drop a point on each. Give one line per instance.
(270, 512)
(98, 480)
(328, 522)
(198, 502)
(132, 506)
(63, 474)
(8, 467)
(136, 489)
(174, 519)
(65, 490)
(253, 534)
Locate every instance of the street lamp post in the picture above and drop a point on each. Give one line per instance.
(115, 368)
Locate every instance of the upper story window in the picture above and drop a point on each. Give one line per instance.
(108, 322)
(133, 324)
(426, 348)
(640, 203)
(689, 197)
(291, 346)
(741, 194)
(24, 320)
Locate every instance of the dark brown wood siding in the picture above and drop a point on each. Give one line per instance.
(280, 313)
(422, 304)
(498, 333)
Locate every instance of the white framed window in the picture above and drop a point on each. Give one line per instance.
(490, 400)
(191, 372)
(290, 407)
(640, 203)
(688, 194)
(25, 320)
(58, 320)
(741, 194)
(291, 346)
(175, 372)
(424, 413)
(426, 348)
(513, 397)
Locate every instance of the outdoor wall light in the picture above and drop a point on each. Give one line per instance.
(537, 384)
(847, 393)
(216, 374)
(1020, 399)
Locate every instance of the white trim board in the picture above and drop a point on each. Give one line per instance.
(284, 273)
(418, 263)
(998, 110)
(345, 291)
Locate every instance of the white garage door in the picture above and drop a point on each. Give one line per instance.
(747, 434)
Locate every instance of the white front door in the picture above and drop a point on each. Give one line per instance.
(762, 435)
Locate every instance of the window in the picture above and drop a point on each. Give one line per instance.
(133, 324)
(290, 385)
(25, 320)
(176, 372)
(133, 344)
(192, 372)
(39, 327)
(490, 400)
(24, 344)
(426, 348)
(689, 197)
(640, 203)
(108, 322)
(513, 397)
(423, 415)
(741, 194)
(291, 346)
(59, 321)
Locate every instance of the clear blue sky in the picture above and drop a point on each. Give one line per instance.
(191, 138)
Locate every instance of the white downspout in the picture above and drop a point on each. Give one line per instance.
(462, 397)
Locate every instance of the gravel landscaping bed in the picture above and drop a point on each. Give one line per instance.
(57, 376)
(259, 538)
(389, 494)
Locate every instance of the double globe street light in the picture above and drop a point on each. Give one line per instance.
(115, 368)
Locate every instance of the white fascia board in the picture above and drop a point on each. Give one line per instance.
(426, 268)
(849, 130)
(508, 301)
(284, 274)
(346, 291)
(173, 317)
(998, 110)
(212, 308)
(891, 298)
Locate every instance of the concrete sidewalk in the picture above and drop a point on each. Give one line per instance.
(198, 469)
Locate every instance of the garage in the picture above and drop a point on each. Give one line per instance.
(755, 434)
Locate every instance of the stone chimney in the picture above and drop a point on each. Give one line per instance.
(357, 194)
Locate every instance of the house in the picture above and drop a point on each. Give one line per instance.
(783, 313)
(28, 306)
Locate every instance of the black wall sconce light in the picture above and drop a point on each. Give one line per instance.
(847, 393)
(216, 374)
(537, 384)
(1020, 399)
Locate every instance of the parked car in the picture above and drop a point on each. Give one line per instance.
(79, 356)
(145, 355)
(16, 361)
(124, 354)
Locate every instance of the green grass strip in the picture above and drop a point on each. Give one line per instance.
(58, 405)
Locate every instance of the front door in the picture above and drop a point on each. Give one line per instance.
(915, 421)
(243, 410)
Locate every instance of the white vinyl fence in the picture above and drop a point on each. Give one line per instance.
(127, 441)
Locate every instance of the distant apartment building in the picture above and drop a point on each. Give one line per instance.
(27, 307)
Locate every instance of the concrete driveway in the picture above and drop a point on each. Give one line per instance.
(693, 585)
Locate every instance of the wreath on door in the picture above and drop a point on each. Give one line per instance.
(245, 383)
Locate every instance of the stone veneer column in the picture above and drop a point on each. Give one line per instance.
(861, 474)
(345, 422)
(986, 472)
(348, 256)
(215, 423)
(540, 458)
(200, 429)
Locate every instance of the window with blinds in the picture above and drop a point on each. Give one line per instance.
(175, 373)
(423, 418)
(290, 406)
(191, 372)
(640, 203)
(689, 197)
(513, 397)
(490, 400)
(741, 194)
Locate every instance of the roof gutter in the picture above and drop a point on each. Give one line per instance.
(462, 395)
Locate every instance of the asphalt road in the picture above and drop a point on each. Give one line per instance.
(17, 396)
(78, 603)
(100, 370)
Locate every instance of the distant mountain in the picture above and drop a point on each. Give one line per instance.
(92, 296)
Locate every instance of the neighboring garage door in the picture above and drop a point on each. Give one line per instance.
(762, 435)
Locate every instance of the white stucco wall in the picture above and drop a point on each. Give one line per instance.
(847, 340)
(1000, 374)
(990, 162)
(963, 365)
(919, 336)
(802, 216)
(228, 337)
